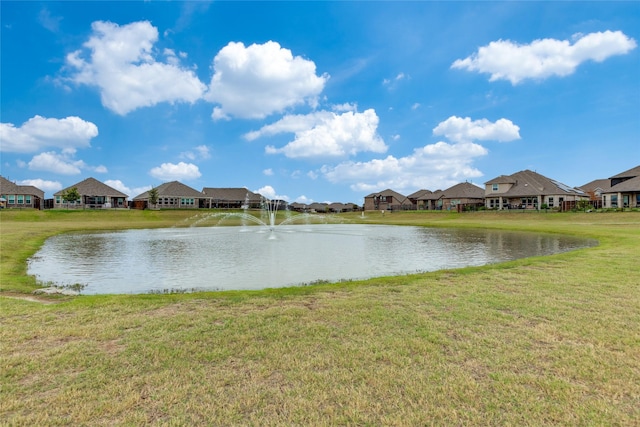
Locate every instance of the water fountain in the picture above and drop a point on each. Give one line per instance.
(266, 218)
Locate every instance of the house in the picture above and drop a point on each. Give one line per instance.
(230, 198)
(624, 190)
(338, 207)
(298, 207)
(594, 190)
(171, 195)
(13, 195)
(430, 200)
(413, 197)
(462, 195)
(318, 207)
(529, 190)
(386, 200)
(93, 194)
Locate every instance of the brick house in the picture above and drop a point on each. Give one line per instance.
(13, 195)
(529, 190)
(93, 194)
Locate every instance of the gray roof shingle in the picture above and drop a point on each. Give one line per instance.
(464, 190)
(7, 187)
(631, 173)
(93, 187)
(630, 185)
(527, 183)
(231, 194)
(173, 189)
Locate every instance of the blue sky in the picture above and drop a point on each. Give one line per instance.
(317, 101)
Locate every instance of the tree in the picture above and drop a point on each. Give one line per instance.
(583, 204)
(71, 195)
(153, 196)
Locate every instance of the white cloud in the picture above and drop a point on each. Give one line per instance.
(506, 60)
(393, 83)
(268, 172)
(44, 185)
(261, 79)
(304, 199)
(61, 163)
(434, 166)
(347, 106)
(460, 129)
(125, 71)
(201, 152)
(57, 163)
(48, 21)
(40, 132)
(131, 192)
(291, 124)
(173, 172)
(219, 114)
(270, 193)
(326, 134)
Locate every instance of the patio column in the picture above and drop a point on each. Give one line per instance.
(500, 203)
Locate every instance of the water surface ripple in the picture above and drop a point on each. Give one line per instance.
(240, 258)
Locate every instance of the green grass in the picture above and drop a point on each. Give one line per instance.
(540, 341)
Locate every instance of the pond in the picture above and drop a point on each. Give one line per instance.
(243, 258)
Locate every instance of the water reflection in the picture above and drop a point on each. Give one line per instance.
(220, 258)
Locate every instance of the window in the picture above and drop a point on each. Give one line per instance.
(27, 199)
(20, 199)
(58, 199)
(495, 187)
(614, 200)
(550, 202)
(12, 199)
(95, 200)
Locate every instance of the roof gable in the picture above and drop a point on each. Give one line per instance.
(93, 187)
(172, 189)
(388, 192)
(631, 173)
(632, 185)
(530, 183)
(8, 187)
(238, 194)
(464, 190)
(418, 194)
(502, 179)
(438, 194)
(598, 184)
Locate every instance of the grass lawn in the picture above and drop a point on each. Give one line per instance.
(541, 341)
